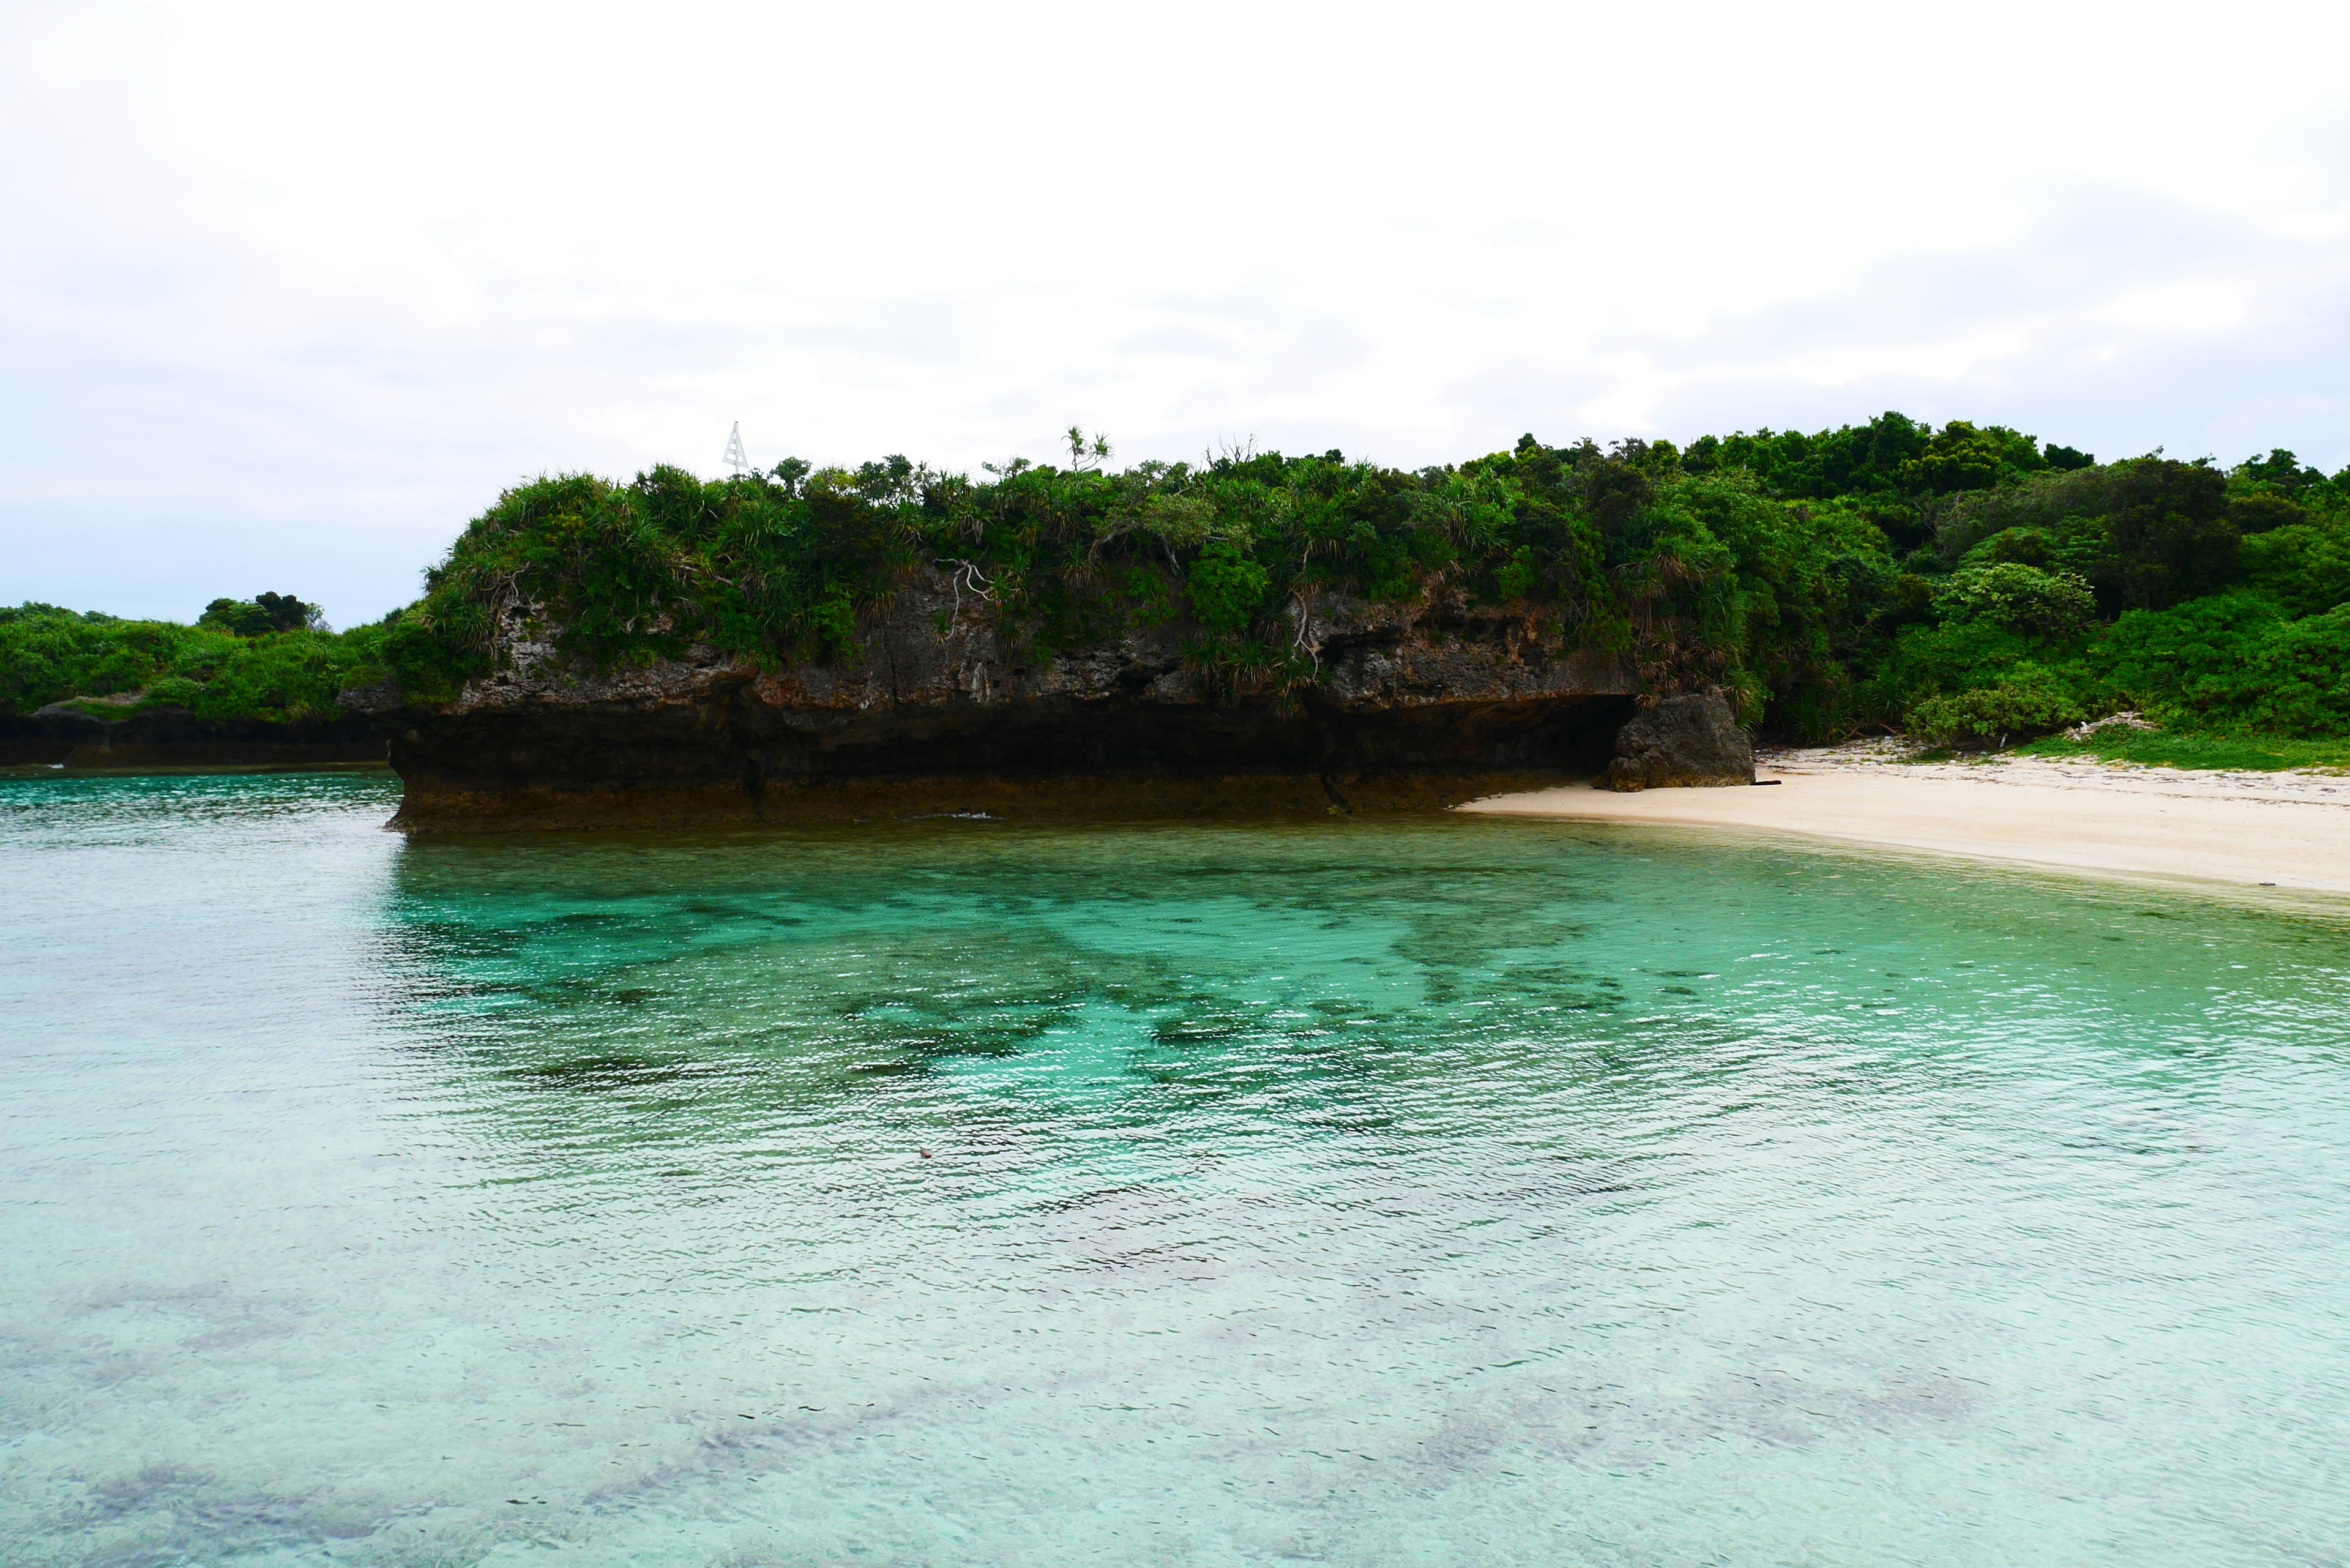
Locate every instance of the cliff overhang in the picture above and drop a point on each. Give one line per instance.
(941, 708)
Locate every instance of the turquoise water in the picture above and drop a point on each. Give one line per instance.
(957, 1192)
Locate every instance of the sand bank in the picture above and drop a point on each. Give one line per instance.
(2287, 830)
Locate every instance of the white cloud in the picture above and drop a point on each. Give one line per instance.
(2188, 306)
(289, 291)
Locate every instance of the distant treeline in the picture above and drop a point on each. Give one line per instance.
(1965, 582)
(270, 658)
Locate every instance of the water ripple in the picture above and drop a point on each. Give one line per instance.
(953, 1191)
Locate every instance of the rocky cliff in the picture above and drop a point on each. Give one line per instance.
(111, 734)
(941, 708)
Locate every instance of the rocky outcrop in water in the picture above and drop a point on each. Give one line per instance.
(941, 708)
(121, 735)
(1690, 738)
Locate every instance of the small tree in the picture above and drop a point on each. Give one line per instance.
(260, 615)
(285, 612)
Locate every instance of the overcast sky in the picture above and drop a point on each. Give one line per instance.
(288, 293)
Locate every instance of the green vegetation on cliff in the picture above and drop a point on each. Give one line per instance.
(1705, 577)
(1965, 582)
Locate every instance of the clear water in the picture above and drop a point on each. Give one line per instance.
(1442, 1192)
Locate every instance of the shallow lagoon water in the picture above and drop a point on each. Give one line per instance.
(1439, 1191)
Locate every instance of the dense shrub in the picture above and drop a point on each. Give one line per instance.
(48, 655)
(1228, 588)
(284, 677)
(2305, 567)
(2026, 702)
(2019, 597)
(2233, 662)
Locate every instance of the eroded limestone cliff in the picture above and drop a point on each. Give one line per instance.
(940, 709)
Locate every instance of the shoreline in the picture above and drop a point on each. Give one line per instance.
(21, 771)
(2290, 832)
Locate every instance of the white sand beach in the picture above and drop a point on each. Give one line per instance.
(2288, 830)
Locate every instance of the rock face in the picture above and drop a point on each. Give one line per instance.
(939, 710)
(67, 733)
(1689, 738)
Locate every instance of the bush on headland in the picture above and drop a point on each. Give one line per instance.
(1966, 583)
(215, 671)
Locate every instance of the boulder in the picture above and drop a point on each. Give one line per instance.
(1687, 738)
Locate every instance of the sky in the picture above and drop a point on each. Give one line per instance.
(289, 293)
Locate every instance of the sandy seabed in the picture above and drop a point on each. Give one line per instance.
(2285, 830)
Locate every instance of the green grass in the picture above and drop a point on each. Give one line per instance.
(2168, 749)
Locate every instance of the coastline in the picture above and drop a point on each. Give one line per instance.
(2287, 831)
